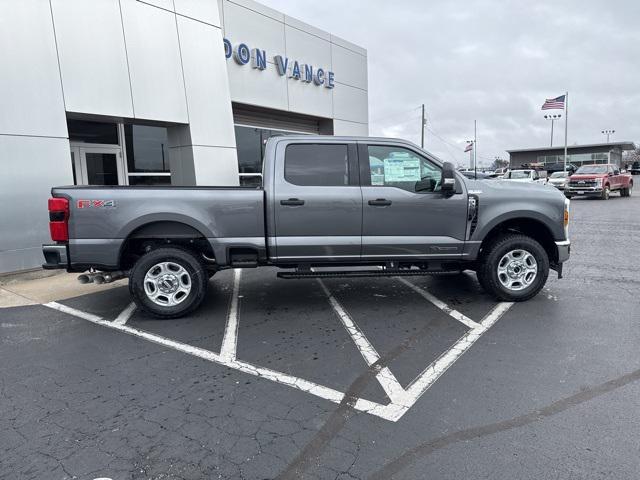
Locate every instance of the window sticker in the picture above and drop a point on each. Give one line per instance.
(401, 167)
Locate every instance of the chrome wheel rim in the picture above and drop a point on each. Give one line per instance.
(517, 270)
(167, 284)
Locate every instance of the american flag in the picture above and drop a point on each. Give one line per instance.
(469, 147)
(553, 103)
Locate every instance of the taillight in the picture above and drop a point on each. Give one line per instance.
(59, 219)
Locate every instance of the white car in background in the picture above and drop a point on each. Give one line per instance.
(559, 179)
(526, 176)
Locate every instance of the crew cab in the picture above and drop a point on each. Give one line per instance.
(599, 180)
(326, 202)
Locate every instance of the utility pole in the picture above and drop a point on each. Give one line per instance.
(423, 124)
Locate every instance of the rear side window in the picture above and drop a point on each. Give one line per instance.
(317, 164)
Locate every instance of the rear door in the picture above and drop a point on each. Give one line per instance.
(405, 215)
(317, 202)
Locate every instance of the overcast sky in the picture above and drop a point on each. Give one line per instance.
(493, 61)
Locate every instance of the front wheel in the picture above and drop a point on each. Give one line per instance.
(513, 268)
(168, 282)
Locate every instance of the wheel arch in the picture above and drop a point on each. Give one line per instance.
(157, 233)
(528, 226)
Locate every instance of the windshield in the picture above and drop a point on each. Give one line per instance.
(592, 169)
(558, 174)
(515, 174)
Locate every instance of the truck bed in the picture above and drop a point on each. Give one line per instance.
(102, 218)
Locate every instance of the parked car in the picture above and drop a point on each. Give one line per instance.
(559, 179)
(325, 202)
(599, 180)
(525, 176)
(635, 168)
(559, 167)
(500, 171)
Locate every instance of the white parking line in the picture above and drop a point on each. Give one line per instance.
(230, 339)
(428, 377)
(385, 377)
(125, 315)
(440, 304)
(401, 399)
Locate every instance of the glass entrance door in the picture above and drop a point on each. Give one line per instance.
(97, 165)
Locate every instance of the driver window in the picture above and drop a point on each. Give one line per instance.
(402, 168)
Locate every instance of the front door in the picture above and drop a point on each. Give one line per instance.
(317, 202)
(97, 165)
(405, 216)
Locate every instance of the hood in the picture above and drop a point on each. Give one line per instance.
(523, 180)
(589, 176)
(516, 188)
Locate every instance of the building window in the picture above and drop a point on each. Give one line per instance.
(98, 154)
(82, 131)
(575, 158)
(250, 144)
(147, 155)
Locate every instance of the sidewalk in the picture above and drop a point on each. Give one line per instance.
(32, 288)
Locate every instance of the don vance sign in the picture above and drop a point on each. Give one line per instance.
(304, 72)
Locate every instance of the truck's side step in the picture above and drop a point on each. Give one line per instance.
(363, 273)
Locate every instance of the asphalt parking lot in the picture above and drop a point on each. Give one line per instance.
(343, 379)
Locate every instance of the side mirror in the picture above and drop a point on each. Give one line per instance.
(448, 183)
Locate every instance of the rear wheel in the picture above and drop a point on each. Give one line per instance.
(513, 268)
(168, 282)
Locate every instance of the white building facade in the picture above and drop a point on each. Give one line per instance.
(156, 92)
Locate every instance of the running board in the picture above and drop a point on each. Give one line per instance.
(364, 273)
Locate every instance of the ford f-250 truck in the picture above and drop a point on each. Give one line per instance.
(326, 202)
(599, 180)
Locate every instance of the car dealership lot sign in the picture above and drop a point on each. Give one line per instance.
(307, 73)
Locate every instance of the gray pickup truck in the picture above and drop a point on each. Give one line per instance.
(327, 206)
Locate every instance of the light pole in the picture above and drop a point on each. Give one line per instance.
(553, 118)
(607, 133)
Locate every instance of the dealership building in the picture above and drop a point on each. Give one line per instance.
(156, 92)
(576, 155)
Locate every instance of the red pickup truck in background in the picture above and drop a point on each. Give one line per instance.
(599, 181)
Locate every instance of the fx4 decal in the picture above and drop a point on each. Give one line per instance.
(96, 203)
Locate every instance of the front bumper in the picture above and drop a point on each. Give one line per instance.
(583, 190)
(55, 256)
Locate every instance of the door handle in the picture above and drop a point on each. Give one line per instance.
(292, 202)
(380, 202)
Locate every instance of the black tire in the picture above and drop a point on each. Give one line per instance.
(568, 195)
(197, 275)
(494, 253)
(606, 191)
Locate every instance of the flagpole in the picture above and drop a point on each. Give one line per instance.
(475, 150)
(566, 122)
